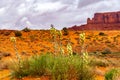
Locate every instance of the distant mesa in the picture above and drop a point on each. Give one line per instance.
(101, 21)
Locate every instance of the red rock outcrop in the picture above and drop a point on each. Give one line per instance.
(101, 21)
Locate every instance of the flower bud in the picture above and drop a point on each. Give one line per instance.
(13, 39)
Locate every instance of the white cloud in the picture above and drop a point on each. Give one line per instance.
(2, 11)
(22, 9)
(47, 7)
(28, 0)
(24, 19)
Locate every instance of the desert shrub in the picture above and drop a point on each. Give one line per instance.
(1, 32)
(65, 31)
(106, 51)
(113, 74)
(34, 66)
(7, 33)
(4, 54)
(57, 67)
(102, 34)
(26, 29)
(32, 38)
(18, 33)
(99, 63)
(38, 65)
(107, 41)
(88, 37)
(74, 53)
(19, 70)
(60, 68)
(86, 73)
(77, 33)
(3, 65)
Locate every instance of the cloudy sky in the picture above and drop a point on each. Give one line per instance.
(39, 14)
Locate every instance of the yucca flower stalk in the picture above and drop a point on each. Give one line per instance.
(82, 38)
(83, 48)
(53, 32)
(69, 49)
(13, 40)
(60, 43)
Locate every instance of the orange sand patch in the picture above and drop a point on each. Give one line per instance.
(4, 75)
(41, 78)
(99, 78)
(36, 42)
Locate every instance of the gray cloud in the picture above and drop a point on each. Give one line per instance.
(83, 3)
(39, 14)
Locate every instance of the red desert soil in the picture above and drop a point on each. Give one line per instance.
(36, 42)
(39, 41)
(4, 75)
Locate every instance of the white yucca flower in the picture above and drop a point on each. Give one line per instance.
(69, 49)
(82, 38)
(85, 57)
(13, 39)
(83, 51)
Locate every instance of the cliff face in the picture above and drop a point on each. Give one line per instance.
(101, 21)
(106, 18)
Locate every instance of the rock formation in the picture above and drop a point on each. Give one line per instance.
(101, 21)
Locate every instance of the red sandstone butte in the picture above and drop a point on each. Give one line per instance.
(101, 21)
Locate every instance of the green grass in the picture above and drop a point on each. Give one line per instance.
(113, 74)
(56, 67)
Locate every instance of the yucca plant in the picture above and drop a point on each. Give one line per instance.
(57, 36)
(60, 43)
(13, 40)
(69, 49)
(17, 65)
(53, 32)
(83, 48)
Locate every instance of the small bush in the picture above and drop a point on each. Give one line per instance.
(7, 33)
(88, 37)
(32, 38)
(106, 51)
(107, 41)
(113, 74)
(26, 29)
(18, 33)
(4, 54)
(102, 34)
(65, 31)
(99, 63)
(3, 65)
